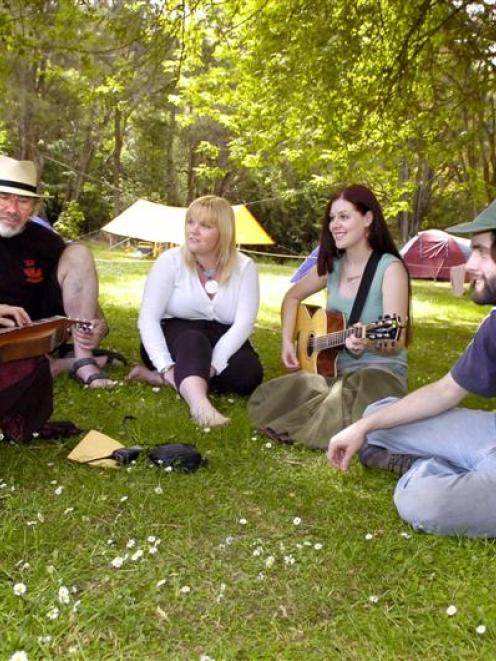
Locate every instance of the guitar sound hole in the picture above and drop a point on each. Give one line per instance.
(310, 346)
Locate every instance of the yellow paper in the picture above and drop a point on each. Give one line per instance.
(94, 445)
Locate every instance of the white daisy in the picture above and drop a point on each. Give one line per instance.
(64, 596)
(19, 589)
(20, 655)
(117, 562)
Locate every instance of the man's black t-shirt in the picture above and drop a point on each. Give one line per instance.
(28, 267)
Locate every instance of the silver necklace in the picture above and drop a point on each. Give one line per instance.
(211, 285)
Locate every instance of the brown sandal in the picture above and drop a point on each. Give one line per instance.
(98, 375)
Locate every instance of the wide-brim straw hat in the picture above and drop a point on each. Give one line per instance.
(18, 177)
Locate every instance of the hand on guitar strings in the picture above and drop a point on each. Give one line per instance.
(12, 316)
(355, 344)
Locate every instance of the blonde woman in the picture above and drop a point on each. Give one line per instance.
(199, 306)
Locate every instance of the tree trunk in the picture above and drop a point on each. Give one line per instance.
(116, 160)
(422, 196)
(171, 185)
(404, 216)
(74, 186)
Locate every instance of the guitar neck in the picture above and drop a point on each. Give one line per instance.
(332, 340)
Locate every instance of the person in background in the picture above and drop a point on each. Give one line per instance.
(446, 456)
(198, 310)
(307, 407)
(42, 222)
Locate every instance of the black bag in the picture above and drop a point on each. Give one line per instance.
(180, 456)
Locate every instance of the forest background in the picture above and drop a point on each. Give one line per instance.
(267, 102)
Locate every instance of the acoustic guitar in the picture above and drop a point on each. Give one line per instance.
(320, 335)
(36, 338)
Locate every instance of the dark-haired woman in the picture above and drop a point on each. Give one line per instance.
(309, 408)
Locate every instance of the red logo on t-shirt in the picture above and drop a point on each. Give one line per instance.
(33, 275)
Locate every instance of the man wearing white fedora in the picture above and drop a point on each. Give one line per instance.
(40, 275)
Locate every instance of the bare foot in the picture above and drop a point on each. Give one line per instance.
(141, 373)
(206, 415)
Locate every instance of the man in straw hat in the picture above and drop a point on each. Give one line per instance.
(446, 456)
(41, 276)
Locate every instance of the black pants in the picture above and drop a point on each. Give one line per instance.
(191, 343)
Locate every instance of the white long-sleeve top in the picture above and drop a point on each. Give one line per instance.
(174, 290)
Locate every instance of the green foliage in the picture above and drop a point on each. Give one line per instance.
(70, 221)
(255, 100)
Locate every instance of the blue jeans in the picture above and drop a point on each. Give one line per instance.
(451, 488)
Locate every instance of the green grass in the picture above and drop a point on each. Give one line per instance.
(316, 607)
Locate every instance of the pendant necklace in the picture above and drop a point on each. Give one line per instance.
(211, 285)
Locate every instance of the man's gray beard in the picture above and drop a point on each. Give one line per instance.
(9, 232)
(486, 296)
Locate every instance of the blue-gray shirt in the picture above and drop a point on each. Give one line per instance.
(372, 310)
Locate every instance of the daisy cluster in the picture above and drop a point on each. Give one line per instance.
(269, 554)
(134, 552)
(65, 598)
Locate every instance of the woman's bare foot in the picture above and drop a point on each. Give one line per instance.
(141, 373)
(206, 415)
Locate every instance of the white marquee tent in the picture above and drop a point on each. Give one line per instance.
(158, 223)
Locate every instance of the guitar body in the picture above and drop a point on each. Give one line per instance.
(313, 321)
(35, 339)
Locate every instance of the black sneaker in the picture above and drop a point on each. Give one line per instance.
(373, 456)
(278, 437)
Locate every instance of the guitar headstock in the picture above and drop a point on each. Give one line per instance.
(386, 329)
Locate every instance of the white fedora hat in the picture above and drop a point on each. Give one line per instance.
(18, 177)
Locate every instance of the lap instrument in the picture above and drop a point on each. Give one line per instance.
(36, 338)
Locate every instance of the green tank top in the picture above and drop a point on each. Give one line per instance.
(372, 310)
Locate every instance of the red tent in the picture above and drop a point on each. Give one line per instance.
(432, 253)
